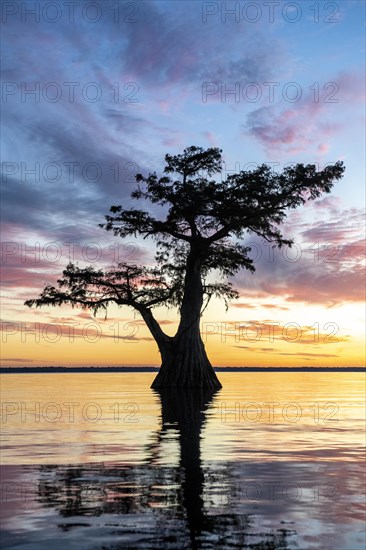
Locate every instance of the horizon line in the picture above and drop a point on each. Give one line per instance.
(75, 369)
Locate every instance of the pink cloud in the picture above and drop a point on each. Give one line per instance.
(292, 130)
(351, 86)
(211, 138)
(329, 268)
(16, 277)
(329, 289)
(331, 203)
(306, 122)
(171, 142)
(243, 305)
(343, 228)
(323, 148)
(164, 105)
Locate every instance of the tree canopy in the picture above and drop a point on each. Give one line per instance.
(204, 215)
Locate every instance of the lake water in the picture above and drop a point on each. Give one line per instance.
(101, 461)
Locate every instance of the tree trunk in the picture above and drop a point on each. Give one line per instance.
(185, 363)
(184, 359)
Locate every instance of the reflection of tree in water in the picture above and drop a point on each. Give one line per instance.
(184, 412)
(163, 503)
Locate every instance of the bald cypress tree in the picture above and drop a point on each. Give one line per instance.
(199, 231)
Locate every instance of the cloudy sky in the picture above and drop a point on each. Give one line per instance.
(94, 92)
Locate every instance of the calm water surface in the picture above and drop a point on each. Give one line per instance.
(101, 461)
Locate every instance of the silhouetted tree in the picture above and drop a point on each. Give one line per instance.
(200, 233)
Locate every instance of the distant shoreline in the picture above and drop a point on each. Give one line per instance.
(39, 370)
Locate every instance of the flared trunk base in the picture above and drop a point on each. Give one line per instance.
(167, 378)
(186, 365)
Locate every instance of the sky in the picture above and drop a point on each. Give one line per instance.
(94, 92)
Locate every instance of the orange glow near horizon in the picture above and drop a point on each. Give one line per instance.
(234, 338)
